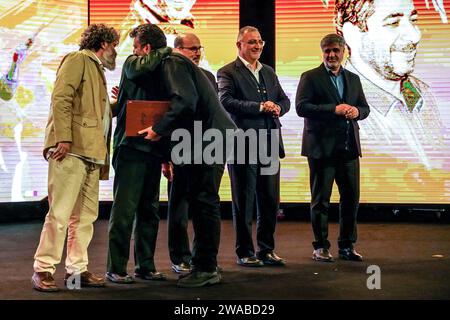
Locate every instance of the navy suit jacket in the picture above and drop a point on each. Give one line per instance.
(316, 101)
(238, 93)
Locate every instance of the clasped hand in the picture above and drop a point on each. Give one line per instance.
(346, 110)
(271, 107)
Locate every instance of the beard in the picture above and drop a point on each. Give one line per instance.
(109, 61)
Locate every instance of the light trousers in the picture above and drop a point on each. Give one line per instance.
(73, 207)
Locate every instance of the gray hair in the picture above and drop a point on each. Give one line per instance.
(245, 29)
(332, 38)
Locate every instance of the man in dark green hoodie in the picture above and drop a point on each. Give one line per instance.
(137, 164)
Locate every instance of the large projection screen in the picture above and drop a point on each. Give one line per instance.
(39, 33)
(216, 23)
(406, 155)
(55, 28)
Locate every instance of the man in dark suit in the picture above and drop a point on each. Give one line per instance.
(187, 44)
(137, 164)
(194, 109)
(251, 93)
(331, 100)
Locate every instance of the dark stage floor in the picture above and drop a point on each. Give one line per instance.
(403, 251)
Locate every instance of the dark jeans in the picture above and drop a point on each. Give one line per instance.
(178, 218)
(202, 195)
(323, 172)
(136, 199)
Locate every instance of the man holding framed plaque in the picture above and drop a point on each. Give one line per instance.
(137, 163)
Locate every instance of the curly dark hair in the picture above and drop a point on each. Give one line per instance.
(149, 34)
(94, 35)
(354, 11)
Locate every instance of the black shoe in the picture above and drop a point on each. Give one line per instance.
(119, 278)
(199, 279)
(350, 255)
(322, 255)
(155, 276)
(271, 259)
(250, 262)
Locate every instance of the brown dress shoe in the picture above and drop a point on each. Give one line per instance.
(88, 279)
(43, 281)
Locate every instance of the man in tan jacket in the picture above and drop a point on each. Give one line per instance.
(76, 146)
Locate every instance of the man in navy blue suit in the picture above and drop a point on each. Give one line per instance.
(251, 93)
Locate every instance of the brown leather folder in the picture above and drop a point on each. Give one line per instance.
(142, 114)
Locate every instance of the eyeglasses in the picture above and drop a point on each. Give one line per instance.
(253, 42)
(194, 49)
